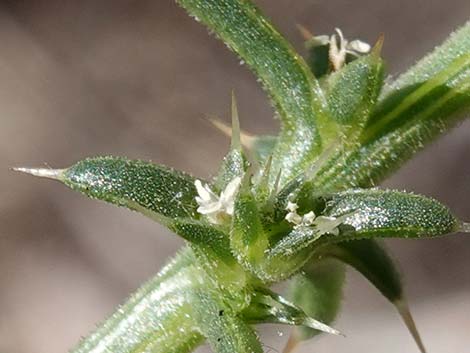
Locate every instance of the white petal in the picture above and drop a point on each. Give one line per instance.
(292, 206)
(358, 46)
(205, 193)
(231, 189)
(294, 218)
(210, 207)
(308, 218)
(326, 224)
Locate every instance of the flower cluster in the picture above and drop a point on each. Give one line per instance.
(322, 224)
(217, 208)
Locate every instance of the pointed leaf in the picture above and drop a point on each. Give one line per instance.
(318, 290)
(372, 260)
(288, 80)
(388, 213)
(224, 330)
(269, 307)
(429, 99)
(353, 91)
(161, 193)
(158, 192)
(248, 239)
(263, 147)
(156, 318)
(234, 163)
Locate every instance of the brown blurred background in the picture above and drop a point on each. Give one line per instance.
(134, 78)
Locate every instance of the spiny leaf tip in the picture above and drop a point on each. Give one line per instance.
(41, 172)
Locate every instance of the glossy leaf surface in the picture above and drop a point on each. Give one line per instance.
(288, 80)
(157, 318)
(158, 192)
(318, 290)
(388, 213)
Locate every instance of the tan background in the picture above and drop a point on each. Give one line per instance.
(134, 78)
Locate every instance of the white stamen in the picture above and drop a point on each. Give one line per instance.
(322, 224)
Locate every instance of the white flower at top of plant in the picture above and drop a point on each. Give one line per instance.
(214, 207)
(322, 224)
(339, 47)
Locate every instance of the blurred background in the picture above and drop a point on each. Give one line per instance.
(135, 78)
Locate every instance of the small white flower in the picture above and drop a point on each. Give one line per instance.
(292, 206)
(214, 207)
(322, 224)
(339, 47)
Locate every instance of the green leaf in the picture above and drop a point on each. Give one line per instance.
(372, 260)
(288, 80)
(430, 98)
(224, 330)
(456, 45)
(157, 318)
(158, 192)
(318, 290)
(263, 147)
(269, 307)
(354, 90)
(248, 239)
(388, 213)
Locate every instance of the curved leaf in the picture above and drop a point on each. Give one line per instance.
(157, 318)
(224, 330)
(288, 80)
(373, 262)
(158, 192)
(354, 90)
(388, 213)
(318, 290)
(423, 103)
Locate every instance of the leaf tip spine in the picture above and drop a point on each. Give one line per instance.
(41, 172)
(405, 314)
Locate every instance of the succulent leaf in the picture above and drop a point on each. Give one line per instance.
(269, 307)
(157, 318)
(388, 213)
(224, 330)
(372, 260)
(288, 80)
(428, 100)
(318, 290)
(158, 192)
(353, 91)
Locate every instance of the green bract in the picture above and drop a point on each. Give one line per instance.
(297, 206)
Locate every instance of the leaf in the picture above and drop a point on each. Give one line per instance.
(158, 192)
(317, 289)
(456, 45)
(388, 213)
(354, 90)
(156, 318)
(269, 307)
(429, 99)
(248, 239)
(372, 260)
(224, 330)
(288, 80)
